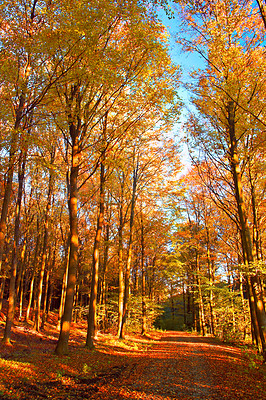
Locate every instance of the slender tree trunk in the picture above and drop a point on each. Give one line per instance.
(120, 260)
(135, 276)
(64, 286)
(129, 255)
(172, 300)
(95, 270)
(49, 301)
(152, 283)
(105, 270)
(126, 291)
(37, 324)
(13, 271)
(211, 283)
(2, 290)
(44, 314)
(256, 233)
(30, 297)
(21, 295)
(241, 289)
(47, 292)
(62, 344)
(184, 303)
(201, 305)
(19, 115)
(35, 269)
(20, 280)
(8, 190)
(253, 280)
(143, 286)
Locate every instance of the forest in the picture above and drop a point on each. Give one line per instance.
(101, 222)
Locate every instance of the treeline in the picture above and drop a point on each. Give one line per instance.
(88, 92)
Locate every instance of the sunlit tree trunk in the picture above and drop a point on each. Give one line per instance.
(152, 280)
(95, 264)
(120, 258)
(184, 303)
(255, 225)
(13, 269)
(62, 344)
(201, 305)
(64, 286)
(30, 297)
(129, 255)
(37, 324)
(21, 281)
(105, 268)
(143, 281)
(253, 279)
(9, 178)
(211, 281)
(21, 295)
(46, 287)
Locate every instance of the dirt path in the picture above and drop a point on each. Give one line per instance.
(183, 366)
(168, 366)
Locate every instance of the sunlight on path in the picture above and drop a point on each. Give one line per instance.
(182, 366)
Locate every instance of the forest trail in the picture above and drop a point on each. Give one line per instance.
(184, 366)
(165, 366)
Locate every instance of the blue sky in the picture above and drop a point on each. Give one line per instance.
(187, 62)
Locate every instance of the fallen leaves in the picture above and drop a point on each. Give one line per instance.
(167, 365)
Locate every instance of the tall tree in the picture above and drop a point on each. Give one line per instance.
(238, 91)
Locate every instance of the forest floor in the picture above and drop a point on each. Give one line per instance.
(164, 365)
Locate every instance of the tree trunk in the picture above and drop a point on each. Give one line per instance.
(105, 270)
(37, 324)
(21, 282)
(211, 283)
(30, 297)
(62, 344)
(201, 305)
(120, 259)
(47, 292)
(2, 290)
(253, 280)
(256, 233)
(143, 286)
(129, 255)
(8, 190)
(44, 314)
(21, 295)
(64, 286)
(13, 269)
(95, 265)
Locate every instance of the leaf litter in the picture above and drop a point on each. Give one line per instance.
(165, 365)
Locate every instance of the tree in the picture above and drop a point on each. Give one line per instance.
(233, 83)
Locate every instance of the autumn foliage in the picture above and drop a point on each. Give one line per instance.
(99, 225)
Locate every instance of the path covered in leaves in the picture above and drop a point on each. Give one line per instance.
(184, 366)
(167, 365)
